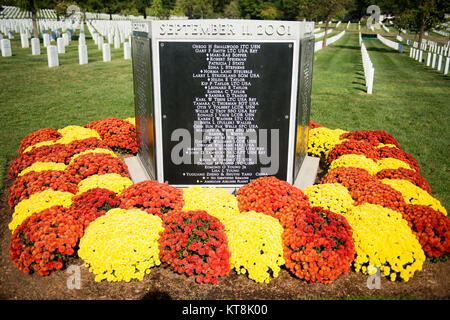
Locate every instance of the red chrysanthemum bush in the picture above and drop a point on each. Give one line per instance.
(431, 228)
(32, 182)
(120, 135)
(95, 163)
(271, 196)
(318, 246)
(90, 205)
(373, 137)
(41, 135)
(51, 153)
(380, 194)
(313, 125)
(152, 197)
(353, 147)
(194, 243)
(405, 174)
(78, 146)
(60, 153)
(349, 177)
(44, 241)
(396, 153)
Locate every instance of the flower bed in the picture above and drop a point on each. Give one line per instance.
(69, 184)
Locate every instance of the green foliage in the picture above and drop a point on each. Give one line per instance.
(157, 10)
(232, 10)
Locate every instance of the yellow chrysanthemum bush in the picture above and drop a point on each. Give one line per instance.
(217, 202)
(330, 196)
(255, 243)
(111, 181)
(96, 150)
(38, 202)
(321, 140)
(68, 135)
(121, 245)
(414, 194)
(43, 166)
(356, 161)
(383, 238)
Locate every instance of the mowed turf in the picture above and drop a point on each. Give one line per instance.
(409, 101)
(34, 96)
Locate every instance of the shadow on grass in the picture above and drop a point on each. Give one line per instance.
(347, 47)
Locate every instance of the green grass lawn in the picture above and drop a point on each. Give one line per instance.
(34, 96)
(409, 101)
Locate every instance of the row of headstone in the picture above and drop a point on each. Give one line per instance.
(434, 47)
(369, 70)
(391, 44)
(433, 60)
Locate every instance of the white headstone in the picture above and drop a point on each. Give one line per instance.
(95, 37)
(110, 38)
(46, 39)
(100, 43)
(433, 63)
(420, 56)
(6, 48)
(126, 50)
(439, 65)
(24, 40)
(116, 42)
(428, 58)
(81, 39)
(82, 54)
(61, 46)
(35, 47)
(52, 56)
(65, 37)
(106, 52)
(447, 63)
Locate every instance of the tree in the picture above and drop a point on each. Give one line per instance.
(420, 15)
(32, 6)
(232, 10)
(195, 9)
(327, 10)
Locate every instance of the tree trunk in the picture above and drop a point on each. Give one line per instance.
(422, 29)
(324, 43)
(110, 16)
(35, 27)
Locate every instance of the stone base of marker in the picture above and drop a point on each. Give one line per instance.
(306, 176)
(35, 47)
(52, 56)
(106, 52)
(126, 51)
(6, 48)
(82, 54)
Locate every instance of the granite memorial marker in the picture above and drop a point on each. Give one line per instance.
(222, 102)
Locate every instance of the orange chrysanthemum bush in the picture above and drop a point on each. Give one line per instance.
(59, 153)
(399, 154)
(405, 174)
(153, 197)
(271, 196)
(44, 241)
(431, 228)
(313, 125)
(95, 163)
(380, 194)
(51, 153)
(120, 135)
(318, 245)
(373, 137)
(41, 135)
(349, 177)
(90, 205)
(33, 182)
(353, 147)
(194, 243)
